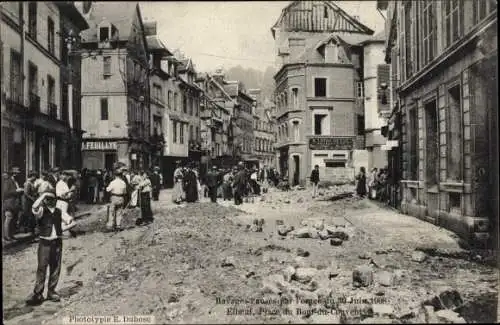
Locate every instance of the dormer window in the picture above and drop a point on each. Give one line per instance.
(104, 34)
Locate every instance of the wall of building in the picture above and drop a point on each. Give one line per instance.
(116, 124)
(373, 55)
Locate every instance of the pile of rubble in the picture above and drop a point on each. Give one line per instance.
(315, 228)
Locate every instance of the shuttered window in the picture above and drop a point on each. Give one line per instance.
(106, 66)
(104, 109)
(428, 29)
(453, 19)
(383, 73)
(407, 39)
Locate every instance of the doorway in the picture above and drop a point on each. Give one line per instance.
(296, 170)
(109, 160)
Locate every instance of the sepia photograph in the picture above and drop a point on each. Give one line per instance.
(248, 162)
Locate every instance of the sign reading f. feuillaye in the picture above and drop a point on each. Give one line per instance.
(99, 145)
(331, 143)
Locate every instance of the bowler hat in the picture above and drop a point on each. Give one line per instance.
(55, 170)
(15, 170)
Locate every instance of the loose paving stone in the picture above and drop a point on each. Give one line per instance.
(304, 274)
(336, 241)
(362, 276)
(383, 309)
(386, 279)
(300, 261)
(340, 234)
(323, 234)
(228, 262)
(364, 256)
(430, 315)
(288, 273)
(284, 230)
(302, 252)
(303, 232)
(418, 256)
(450, 316)
(448, 298)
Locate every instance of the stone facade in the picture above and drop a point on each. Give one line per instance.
(449, 141)
(37, 131)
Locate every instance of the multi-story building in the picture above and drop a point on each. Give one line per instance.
(40, 128)
(444, 57)
(215, 119)
(159, 78)
(374, 92)
(191, 97)
(115, 88)
(243, 122)
(264, 135)
(315, 94)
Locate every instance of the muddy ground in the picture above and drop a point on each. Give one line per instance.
(204, 263)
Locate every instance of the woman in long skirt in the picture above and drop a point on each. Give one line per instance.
(190, 186)
(146, 190)
(178, 193)
(361, 182)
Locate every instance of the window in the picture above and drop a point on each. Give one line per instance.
(191, 133)
(319, 87)
(318, 123)
(295, 98)
(51, 35)
(431, 143)
(33, 78)
(181, 133)
(175, 101)
(169, 99)
(454, 129)
(104, 109)
(407, 39)
(32, 15)
(325, 12)
(190, 105)
(296, 131)
(184, 103)
(413, 136)
(106, 66)
(481, 8)
(361, 124)
(51, 87)
(16, 82)
(174, 131)
(360, 89)
(103, 34)
(157, 93)
(197, 134)
(453, 17)
(428, 29)
(334, 164)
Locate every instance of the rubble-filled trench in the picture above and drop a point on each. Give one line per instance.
(287, 258)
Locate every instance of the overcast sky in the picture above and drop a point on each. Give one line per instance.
(225, 34)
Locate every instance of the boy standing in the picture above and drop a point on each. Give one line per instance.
(315, 179)
(50, 220)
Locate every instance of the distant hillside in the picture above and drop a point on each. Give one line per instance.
(252, 78)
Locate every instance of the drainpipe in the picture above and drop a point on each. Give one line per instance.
(26, 132)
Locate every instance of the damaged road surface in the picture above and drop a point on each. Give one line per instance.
(284, 258)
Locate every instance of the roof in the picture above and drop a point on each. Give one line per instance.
(377, 38)
(211, 79)
(186, 64)
(231, 88)
(341, 21)
(155, 44)
(120, 15)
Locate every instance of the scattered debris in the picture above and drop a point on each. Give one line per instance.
(386, 279)
(301, 252)
(288, 273)
(228, 262)
(362, 276)
(418, 256)
(304, 274)
(336, 241)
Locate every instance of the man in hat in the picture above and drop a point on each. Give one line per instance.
(239, 184)
(212, 183)
(156, 182)
(51, 223)
(11, 202)
(117, 190)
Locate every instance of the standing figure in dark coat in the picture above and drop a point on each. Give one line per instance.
(361, 182)
(239, 185)
(190, 186)
(213, 183)
(11, 202)
(156, 183)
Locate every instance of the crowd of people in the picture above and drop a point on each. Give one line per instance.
(374, 186)
(71, 187)
(235, 183)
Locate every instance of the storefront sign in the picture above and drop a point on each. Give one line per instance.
(99, 145)
(331, 143)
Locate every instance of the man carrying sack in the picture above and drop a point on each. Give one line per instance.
(117, 189)
(51, 222)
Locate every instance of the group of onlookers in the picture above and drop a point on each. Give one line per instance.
(227, 183)
(18, 196)
(375, 185)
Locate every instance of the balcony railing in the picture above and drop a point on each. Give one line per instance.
(34, 103)
(52, 111)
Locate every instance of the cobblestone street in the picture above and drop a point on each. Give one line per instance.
(181, 267)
